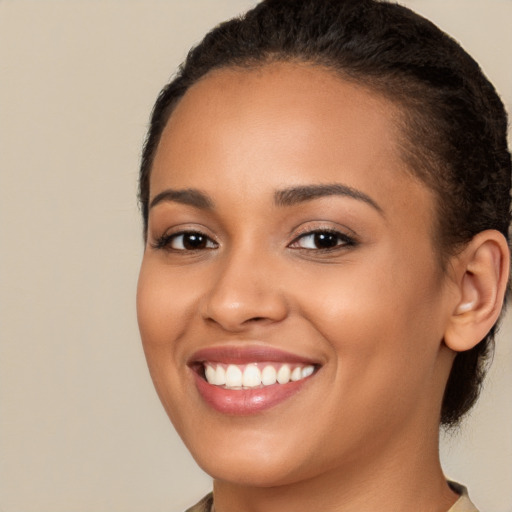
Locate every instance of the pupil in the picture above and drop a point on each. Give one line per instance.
(326, 240)
(194, 241)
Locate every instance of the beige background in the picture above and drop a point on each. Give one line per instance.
(81, 429)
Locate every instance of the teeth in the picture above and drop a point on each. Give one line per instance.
(233, 377)
(251, 377)
(215, 376)
(283, 374)
(268, 376)
(220, 376)
(210, 374)
(254, 375)
(296, 374)
(307, 371)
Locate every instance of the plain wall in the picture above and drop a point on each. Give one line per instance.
(81, 428)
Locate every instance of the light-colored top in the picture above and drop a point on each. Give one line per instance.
(463, 504)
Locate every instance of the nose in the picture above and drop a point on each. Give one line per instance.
(244, 292)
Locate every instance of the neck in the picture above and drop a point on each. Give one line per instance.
(406, 476)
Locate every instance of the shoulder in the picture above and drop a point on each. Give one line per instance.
(463, 504)
(204, 505)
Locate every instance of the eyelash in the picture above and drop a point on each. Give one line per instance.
(165, 241)
(342, 240)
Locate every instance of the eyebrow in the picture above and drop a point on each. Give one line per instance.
(188, 196)
(285, 197)
(296, 195)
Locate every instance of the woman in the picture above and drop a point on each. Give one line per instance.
(325, 192)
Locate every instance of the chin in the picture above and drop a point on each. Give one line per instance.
(250, 472)
(251, 458)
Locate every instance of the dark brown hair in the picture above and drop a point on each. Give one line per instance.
(454, 124)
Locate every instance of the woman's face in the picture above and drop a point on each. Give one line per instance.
(286, 234)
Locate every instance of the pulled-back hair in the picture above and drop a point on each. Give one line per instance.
(453, 123)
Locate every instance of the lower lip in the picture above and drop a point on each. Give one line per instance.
(242, 402)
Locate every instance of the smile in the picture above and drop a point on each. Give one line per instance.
(254, 375)
(244, 380)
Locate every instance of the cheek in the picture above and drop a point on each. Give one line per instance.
(152, 300)
(161, 314)
(163, 304)
(382, 321)
(383, 358)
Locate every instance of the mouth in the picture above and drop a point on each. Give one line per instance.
(248, 380)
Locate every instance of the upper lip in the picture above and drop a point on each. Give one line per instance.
(237, 354)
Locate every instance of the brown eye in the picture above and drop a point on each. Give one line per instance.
(191, 241)
(325, 240)
(322, 240)
(186, 241)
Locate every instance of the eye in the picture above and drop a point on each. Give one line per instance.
(185, 241)
(322, 240)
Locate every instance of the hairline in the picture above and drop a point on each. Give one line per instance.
(379, 85)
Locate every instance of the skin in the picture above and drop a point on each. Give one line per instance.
(363, 433)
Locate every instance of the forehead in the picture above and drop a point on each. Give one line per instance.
(279, 125)
(285, 102)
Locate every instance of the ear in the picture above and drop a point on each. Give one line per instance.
(481, 276)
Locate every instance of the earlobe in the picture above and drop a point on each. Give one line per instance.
(482, 271)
